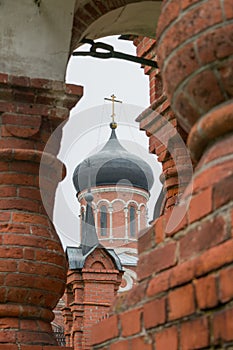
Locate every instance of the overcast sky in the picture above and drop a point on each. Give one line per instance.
(88, 127)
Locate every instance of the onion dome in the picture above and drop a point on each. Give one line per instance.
(113, 165)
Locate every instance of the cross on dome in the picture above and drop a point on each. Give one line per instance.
(113, 125)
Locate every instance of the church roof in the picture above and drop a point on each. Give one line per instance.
(76, 259)
(113, 164)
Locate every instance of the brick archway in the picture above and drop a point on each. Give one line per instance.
(96, 19)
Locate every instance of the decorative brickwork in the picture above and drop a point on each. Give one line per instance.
(118, 201)
(166, 138)
(184, 296)
(33, 265)
(89, 293)
(195, 59)
(184, 280)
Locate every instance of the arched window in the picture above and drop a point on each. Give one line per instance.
(132, 216)
(103, 220)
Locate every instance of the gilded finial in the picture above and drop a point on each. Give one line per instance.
(113, 124)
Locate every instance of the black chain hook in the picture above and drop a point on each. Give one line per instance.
(110, 53)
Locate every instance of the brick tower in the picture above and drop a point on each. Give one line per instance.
(93, 279)
(120, 183)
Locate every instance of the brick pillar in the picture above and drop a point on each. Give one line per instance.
(94, 288)
(184, 297)
(33, 266)
(167, 138)
(67, 314)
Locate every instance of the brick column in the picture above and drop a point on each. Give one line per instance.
(184, 296)
(166, 137)
(33, 266)
(94, 287)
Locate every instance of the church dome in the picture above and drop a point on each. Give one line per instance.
(113, 165)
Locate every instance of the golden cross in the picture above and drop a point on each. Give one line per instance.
(113, 100)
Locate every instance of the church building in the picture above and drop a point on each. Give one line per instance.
(113, 189)
(183, 298)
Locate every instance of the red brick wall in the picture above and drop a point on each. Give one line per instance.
(184, 296)
(166, 138)
(184, 274)
(33, 265)
(30, 347)
(89, 293)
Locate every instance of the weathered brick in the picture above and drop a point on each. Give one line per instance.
(30, 192)
(206, 235)
(120, 345)
(177, 220)
(145, 240)
(215, 44)
(159, 283)
(29, 253)
(221, 192)
(197, 211)
(185, 61)
(20, 80)
(8, 265)
(23, 179)
(183, 103)
(9, 347)
(140, 343)
(11, 252)
(19, 204)
(182, 273)
(204, 89)
(7, 336)
(172, 12)
(214, 258)
(159, 230)
(206, 292)
(195, 334)
(228, 9)
(17, 295)
(135, 295)
(225, 284)
(223, 326)
(51, 256)
(167, 339)
(181, 302)
(131, 322)
(35, 347)
(154, 313)
(107, 329)
(25, 167)
(5, 216)
(30, 218)
(7, 191)
(226, 74)
(157, 260)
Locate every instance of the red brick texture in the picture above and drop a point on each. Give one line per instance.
(117, 201)
(184, 293)
(33, 266)
(89, 293)
(32, 347)
(184, 298)
(195, 56)
(166, 138)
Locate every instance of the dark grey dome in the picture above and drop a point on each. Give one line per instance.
(111, 165)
